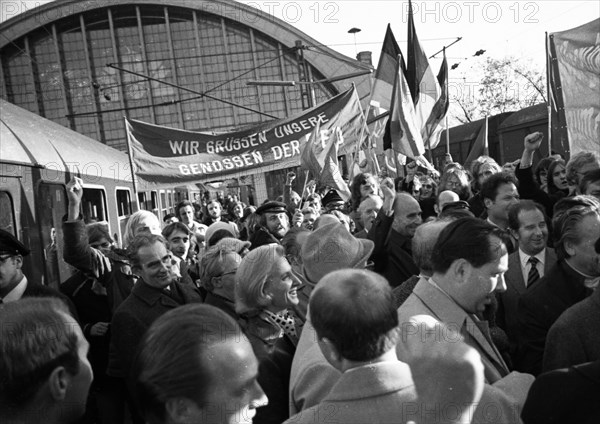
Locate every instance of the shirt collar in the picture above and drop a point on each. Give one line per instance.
(17, 292)
(524, 257)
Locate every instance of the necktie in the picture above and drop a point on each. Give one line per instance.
(534, 275)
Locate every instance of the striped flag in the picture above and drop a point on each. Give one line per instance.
(404, 131)
(424, 87)
(386, 71)
(480, 147)
(435, 123)
(320, 158)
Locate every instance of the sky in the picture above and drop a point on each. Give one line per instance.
(501, 28)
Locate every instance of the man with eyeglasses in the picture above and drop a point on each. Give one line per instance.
(219, 265)
(14, 285)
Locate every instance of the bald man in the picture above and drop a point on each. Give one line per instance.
(392, 231)
(445, 197)
(422, 246)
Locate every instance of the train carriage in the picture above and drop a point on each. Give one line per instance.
(37, 158)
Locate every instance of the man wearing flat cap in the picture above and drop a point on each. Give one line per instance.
(13, 283)
(274, 224)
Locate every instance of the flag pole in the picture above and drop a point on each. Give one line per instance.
(486, 147)
(305, 183)
(130, 155)
(392, 110)
(447, 136)
(548, 95)
(362, 132)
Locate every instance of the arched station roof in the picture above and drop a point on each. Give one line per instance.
(54, 63)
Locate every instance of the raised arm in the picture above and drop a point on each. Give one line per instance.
(77, 251)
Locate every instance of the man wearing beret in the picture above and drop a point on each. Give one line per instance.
(274, 224)
(13, 283)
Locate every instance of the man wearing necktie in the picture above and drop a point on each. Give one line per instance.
(532, 260)
(576, 225)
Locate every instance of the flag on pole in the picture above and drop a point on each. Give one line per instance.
(386, 70)
(480, 147)
(319, 156)
(404, 131)
(424, 88)
(435, 124)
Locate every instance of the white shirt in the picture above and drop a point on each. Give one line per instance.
(526, 266)
(17, 292)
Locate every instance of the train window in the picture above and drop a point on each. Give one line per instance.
(52, 206)
(7, 213)
(154, 200)
(142, 197)
(123, 202)
(93, 205)
(124, 207)
(171, 201)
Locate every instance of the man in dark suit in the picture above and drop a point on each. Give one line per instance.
(14, 285)
(392, 235)
(157, 291)
(573, 339)
(531, 261)
(576, 226)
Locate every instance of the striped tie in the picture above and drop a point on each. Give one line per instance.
(534, 275)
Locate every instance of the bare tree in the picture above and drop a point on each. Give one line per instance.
(506, 85)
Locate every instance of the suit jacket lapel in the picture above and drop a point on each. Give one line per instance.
(448, 312)
(486, 344)
(515, 274)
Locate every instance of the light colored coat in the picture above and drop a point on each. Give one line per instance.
(377, 393)
(384, 393)
(426, 299)
(311, 377)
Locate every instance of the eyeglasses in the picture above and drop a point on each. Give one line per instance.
(427, 186)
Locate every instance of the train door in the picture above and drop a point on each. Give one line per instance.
(51, 205)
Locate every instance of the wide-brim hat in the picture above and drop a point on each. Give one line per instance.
(271, 207)
(10, 244)
(331, 247)
(221, 225)
(234, 244)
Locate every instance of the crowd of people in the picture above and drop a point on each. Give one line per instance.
(459, 296)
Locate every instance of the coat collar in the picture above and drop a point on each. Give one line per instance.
(397, 240)
(567, 282)
(371, 380)
(151, 295)
(450, 313)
